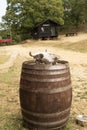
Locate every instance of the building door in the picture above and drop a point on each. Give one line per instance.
(45, 30)
(53, 31)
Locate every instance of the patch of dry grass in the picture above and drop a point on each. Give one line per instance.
(80, 46)
(4, 58)
(10, 117)
(77, 46)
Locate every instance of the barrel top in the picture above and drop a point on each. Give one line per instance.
(32, 65)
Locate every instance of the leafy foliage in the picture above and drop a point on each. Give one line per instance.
(75, 12)
(23, 15)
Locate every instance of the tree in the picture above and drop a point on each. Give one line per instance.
(23, 15)
(67, 14)
(78, 12)
(4, 31)
(75, 12)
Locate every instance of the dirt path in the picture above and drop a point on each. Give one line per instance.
(9, 63)
(75, 58)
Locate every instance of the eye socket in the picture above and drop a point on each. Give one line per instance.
(41, 55)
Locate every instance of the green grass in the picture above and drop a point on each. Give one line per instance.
(12, 122)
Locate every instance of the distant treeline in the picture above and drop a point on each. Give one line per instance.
(21, 16)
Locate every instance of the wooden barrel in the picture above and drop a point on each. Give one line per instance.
(45, 94)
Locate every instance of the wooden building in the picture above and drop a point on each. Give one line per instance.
(45, 29)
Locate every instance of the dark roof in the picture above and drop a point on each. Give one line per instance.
(46, 21)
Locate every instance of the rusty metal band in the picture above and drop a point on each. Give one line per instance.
(45, 115)
(44, 124)
(34, 66)
(45, 80)
(48, 90)
(45, 72)
(56, 128)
